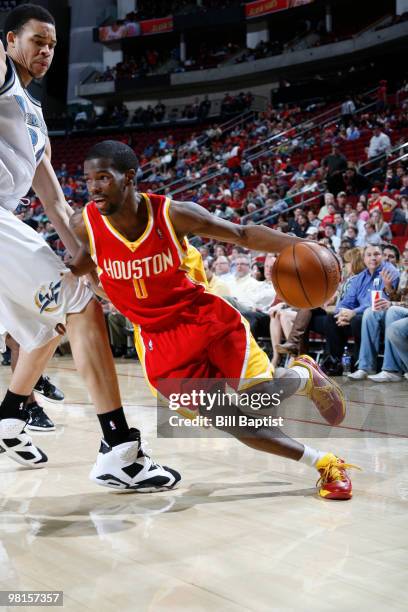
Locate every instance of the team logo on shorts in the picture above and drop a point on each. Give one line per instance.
(46, 298)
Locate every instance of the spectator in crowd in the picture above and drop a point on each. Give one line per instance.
(353, 133)
(333, 167)
(339, 224)
(262, 297)
(302, 225)
(282, 317)
(237, 183)
(387, 310)
(329, 217)
(312, 232)
(380, 143)
(349, 312)
(313, 218)
(361, 209)
(391, 254)
(352, 236)
(328, 198)
(222, 270)
(257, 271)
(348, 108)
(244, 286)
(330, 232)
(382, 228)
(354, 182)
(371, 236)
(400, 215)
(215, 283)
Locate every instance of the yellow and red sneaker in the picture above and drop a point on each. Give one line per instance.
(334, 482)
(323, 391)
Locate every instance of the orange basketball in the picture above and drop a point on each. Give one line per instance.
(306, 274)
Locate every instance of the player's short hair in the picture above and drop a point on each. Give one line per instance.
(18, 17)
(122, 156)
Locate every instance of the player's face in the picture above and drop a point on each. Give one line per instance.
(33, 47)
(106, 185)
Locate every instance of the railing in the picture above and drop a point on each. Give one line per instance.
(308, 125)
(379, 158)
(203, 138)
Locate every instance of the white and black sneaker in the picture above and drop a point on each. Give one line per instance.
(38, 420)
(48, 390)
(18, 445)
(128, 467)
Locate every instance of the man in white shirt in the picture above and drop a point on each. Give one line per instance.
(329, 232)
(244, 285)
(222, 270)
(262, 297)
(380, 143)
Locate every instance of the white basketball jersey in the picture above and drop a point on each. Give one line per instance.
(23, 136)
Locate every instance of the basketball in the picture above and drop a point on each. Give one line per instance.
(306, 275)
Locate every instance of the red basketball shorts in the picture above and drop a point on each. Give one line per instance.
(211, 340)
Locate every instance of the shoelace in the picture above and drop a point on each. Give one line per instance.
(146, 450)
(335, 471)
(131, 453)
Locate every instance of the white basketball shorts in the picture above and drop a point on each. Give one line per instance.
(37, 291)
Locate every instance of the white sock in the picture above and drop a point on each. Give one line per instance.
(311, 456)
(303, 374)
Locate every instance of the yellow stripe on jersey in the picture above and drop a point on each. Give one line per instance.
(141, 351)
(258, 366)
(190, 257)
(193, 265)
(180, 249)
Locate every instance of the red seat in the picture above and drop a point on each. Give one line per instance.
(399, 229)
(399, 242)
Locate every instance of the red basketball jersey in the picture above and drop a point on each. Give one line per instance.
(152, 280)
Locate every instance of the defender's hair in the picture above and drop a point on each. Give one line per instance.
(18, 17)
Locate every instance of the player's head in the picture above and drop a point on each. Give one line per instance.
(31, 38)
(110, 172)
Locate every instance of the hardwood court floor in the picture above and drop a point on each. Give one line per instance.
(244, 531)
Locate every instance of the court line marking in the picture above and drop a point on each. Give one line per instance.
(143, 378)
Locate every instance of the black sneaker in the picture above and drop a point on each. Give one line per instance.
(6, 361)
(38, 420)
(45, 387)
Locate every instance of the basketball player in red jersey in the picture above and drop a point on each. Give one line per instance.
(138, 244)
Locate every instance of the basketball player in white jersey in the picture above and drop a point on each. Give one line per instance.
(38, 294)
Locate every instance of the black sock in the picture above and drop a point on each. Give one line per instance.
(114, 427)
(13, 406)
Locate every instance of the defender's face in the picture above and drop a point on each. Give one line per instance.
(106, 185)
(33, 47)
